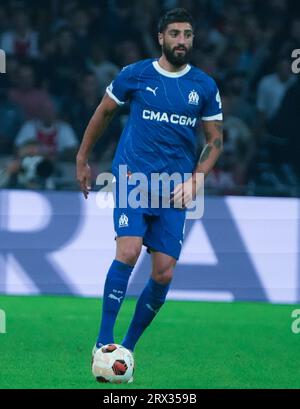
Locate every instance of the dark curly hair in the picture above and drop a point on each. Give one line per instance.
(178, 15)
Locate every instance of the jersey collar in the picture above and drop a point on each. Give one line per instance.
(171, 74)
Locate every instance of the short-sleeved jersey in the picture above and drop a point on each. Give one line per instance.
(165, 109)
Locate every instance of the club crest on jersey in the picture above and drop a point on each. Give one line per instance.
(123, 220)
(193, 98)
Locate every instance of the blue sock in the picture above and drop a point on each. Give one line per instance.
(148, 305)
(114, 293)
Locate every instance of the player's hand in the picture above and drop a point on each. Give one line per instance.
(185, 193)
(83, 177)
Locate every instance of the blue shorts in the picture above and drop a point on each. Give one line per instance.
(162, 229)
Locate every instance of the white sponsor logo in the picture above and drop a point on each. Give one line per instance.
(113, 297)
(123, 220)
(152, 309)
(194, 97)
(165, 117)
(152, 90)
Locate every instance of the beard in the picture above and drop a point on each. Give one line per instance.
(174, 58)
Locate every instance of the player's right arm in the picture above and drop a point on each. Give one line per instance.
(97, 125)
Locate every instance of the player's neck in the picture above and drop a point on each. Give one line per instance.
(166, 65)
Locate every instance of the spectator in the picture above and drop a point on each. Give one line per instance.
(11, 118)
(255, 41)
(284, 125)
(293, 40)
(272, 88)
(236, 93)
(99, 64)
(3, 20)
(79, 110)
(271, 91)
(30, 169)
(146, 15)
(232, 169)
(80, 23)
(21, 41)
(127, 52)
(120, 18)
(57, 138)
(64, 66)
(26, 94)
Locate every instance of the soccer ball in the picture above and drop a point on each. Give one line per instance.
(113, 363)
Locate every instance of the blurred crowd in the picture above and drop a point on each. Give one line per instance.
(61, 55)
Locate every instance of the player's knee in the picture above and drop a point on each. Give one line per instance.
(128, 254)
(163, 277)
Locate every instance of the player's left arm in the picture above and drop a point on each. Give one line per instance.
(213, 130)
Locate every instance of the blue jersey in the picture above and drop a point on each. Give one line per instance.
(165, 109)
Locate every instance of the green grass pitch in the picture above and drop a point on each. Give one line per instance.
(48, 344)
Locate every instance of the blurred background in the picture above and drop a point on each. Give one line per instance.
(61, 55)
